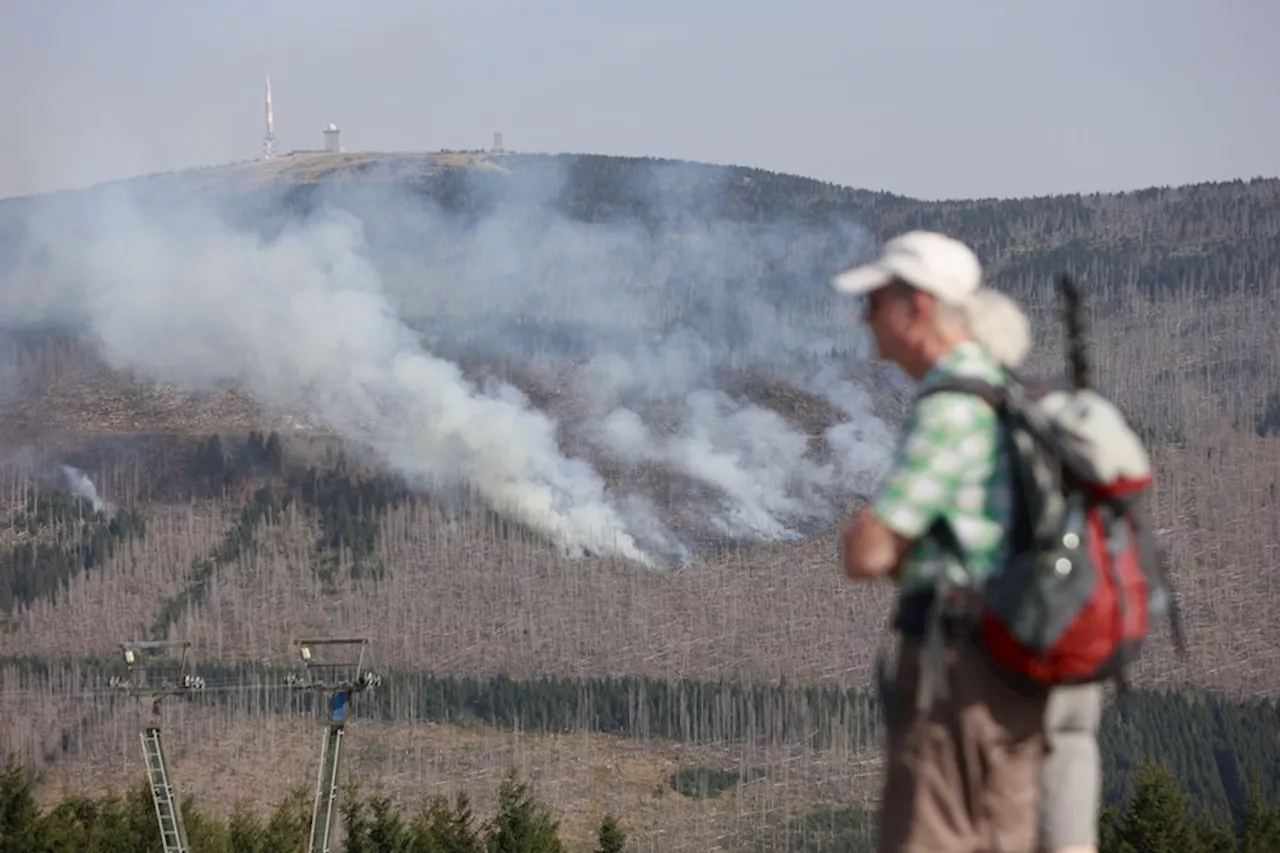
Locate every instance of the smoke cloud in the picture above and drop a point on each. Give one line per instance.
(363, 306)
(82, 487)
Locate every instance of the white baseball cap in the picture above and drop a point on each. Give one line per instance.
(929, 261)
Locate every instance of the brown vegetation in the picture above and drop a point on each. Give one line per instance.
(458, 597)
(226, 758)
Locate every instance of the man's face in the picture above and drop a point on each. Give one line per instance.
(892, 315)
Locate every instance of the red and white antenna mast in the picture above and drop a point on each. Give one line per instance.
(269, 139)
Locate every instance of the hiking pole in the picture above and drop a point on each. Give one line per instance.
(1078, 363)
(1073, 316)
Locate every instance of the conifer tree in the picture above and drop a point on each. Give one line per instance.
(1261, 831)
(355, 821)
(1155, 817)
(522, 824)
(290, 825)
(19, 816)
(611, 837)
(441, 829)
(387, 831)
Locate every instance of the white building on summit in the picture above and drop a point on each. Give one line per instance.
(331, 138)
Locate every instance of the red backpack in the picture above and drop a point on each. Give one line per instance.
(1084, 578)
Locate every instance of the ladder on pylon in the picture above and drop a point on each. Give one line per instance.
(326, 789)
(172, 833)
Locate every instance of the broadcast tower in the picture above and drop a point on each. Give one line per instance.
(269, 138)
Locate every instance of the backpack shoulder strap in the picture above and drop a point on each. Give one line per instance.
(994, 395)
(932, 681)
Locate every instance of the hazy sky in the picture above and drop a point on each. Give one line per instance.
(931, 98)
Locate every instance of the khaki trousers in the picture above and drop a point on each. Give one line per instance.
(964, 777)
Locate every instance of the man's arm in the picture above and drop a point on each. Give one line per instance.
(870, 549)
(944, 435)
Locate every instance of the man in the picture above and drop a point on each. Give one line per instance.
(962, 772)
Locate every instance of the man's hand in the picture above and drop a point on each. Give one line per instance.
(869, 549)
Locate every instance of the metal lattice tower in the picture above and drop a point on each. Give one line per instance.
(340, 680)
(173, 833)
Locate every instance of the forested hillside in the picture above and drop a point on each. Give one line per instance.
(567, 439)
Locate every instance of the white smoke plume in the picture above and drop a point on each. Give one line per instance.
(353, 304)
(862, 443)
(750, 454)
(301, 321)
(82, 487)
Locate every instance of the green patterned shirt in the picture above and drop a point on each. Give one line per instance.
(949, 462)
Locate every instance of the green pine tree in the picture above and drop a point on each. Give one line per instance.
(246, 830)
(1261, 832)
(1155, 817)
(611, 837)
(1213, 836)
(441, 829)
(1109, 829)
(206, 834)
(387, 831)
(522, 824)
(355, 821)
(19, 816)
(290, 825)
